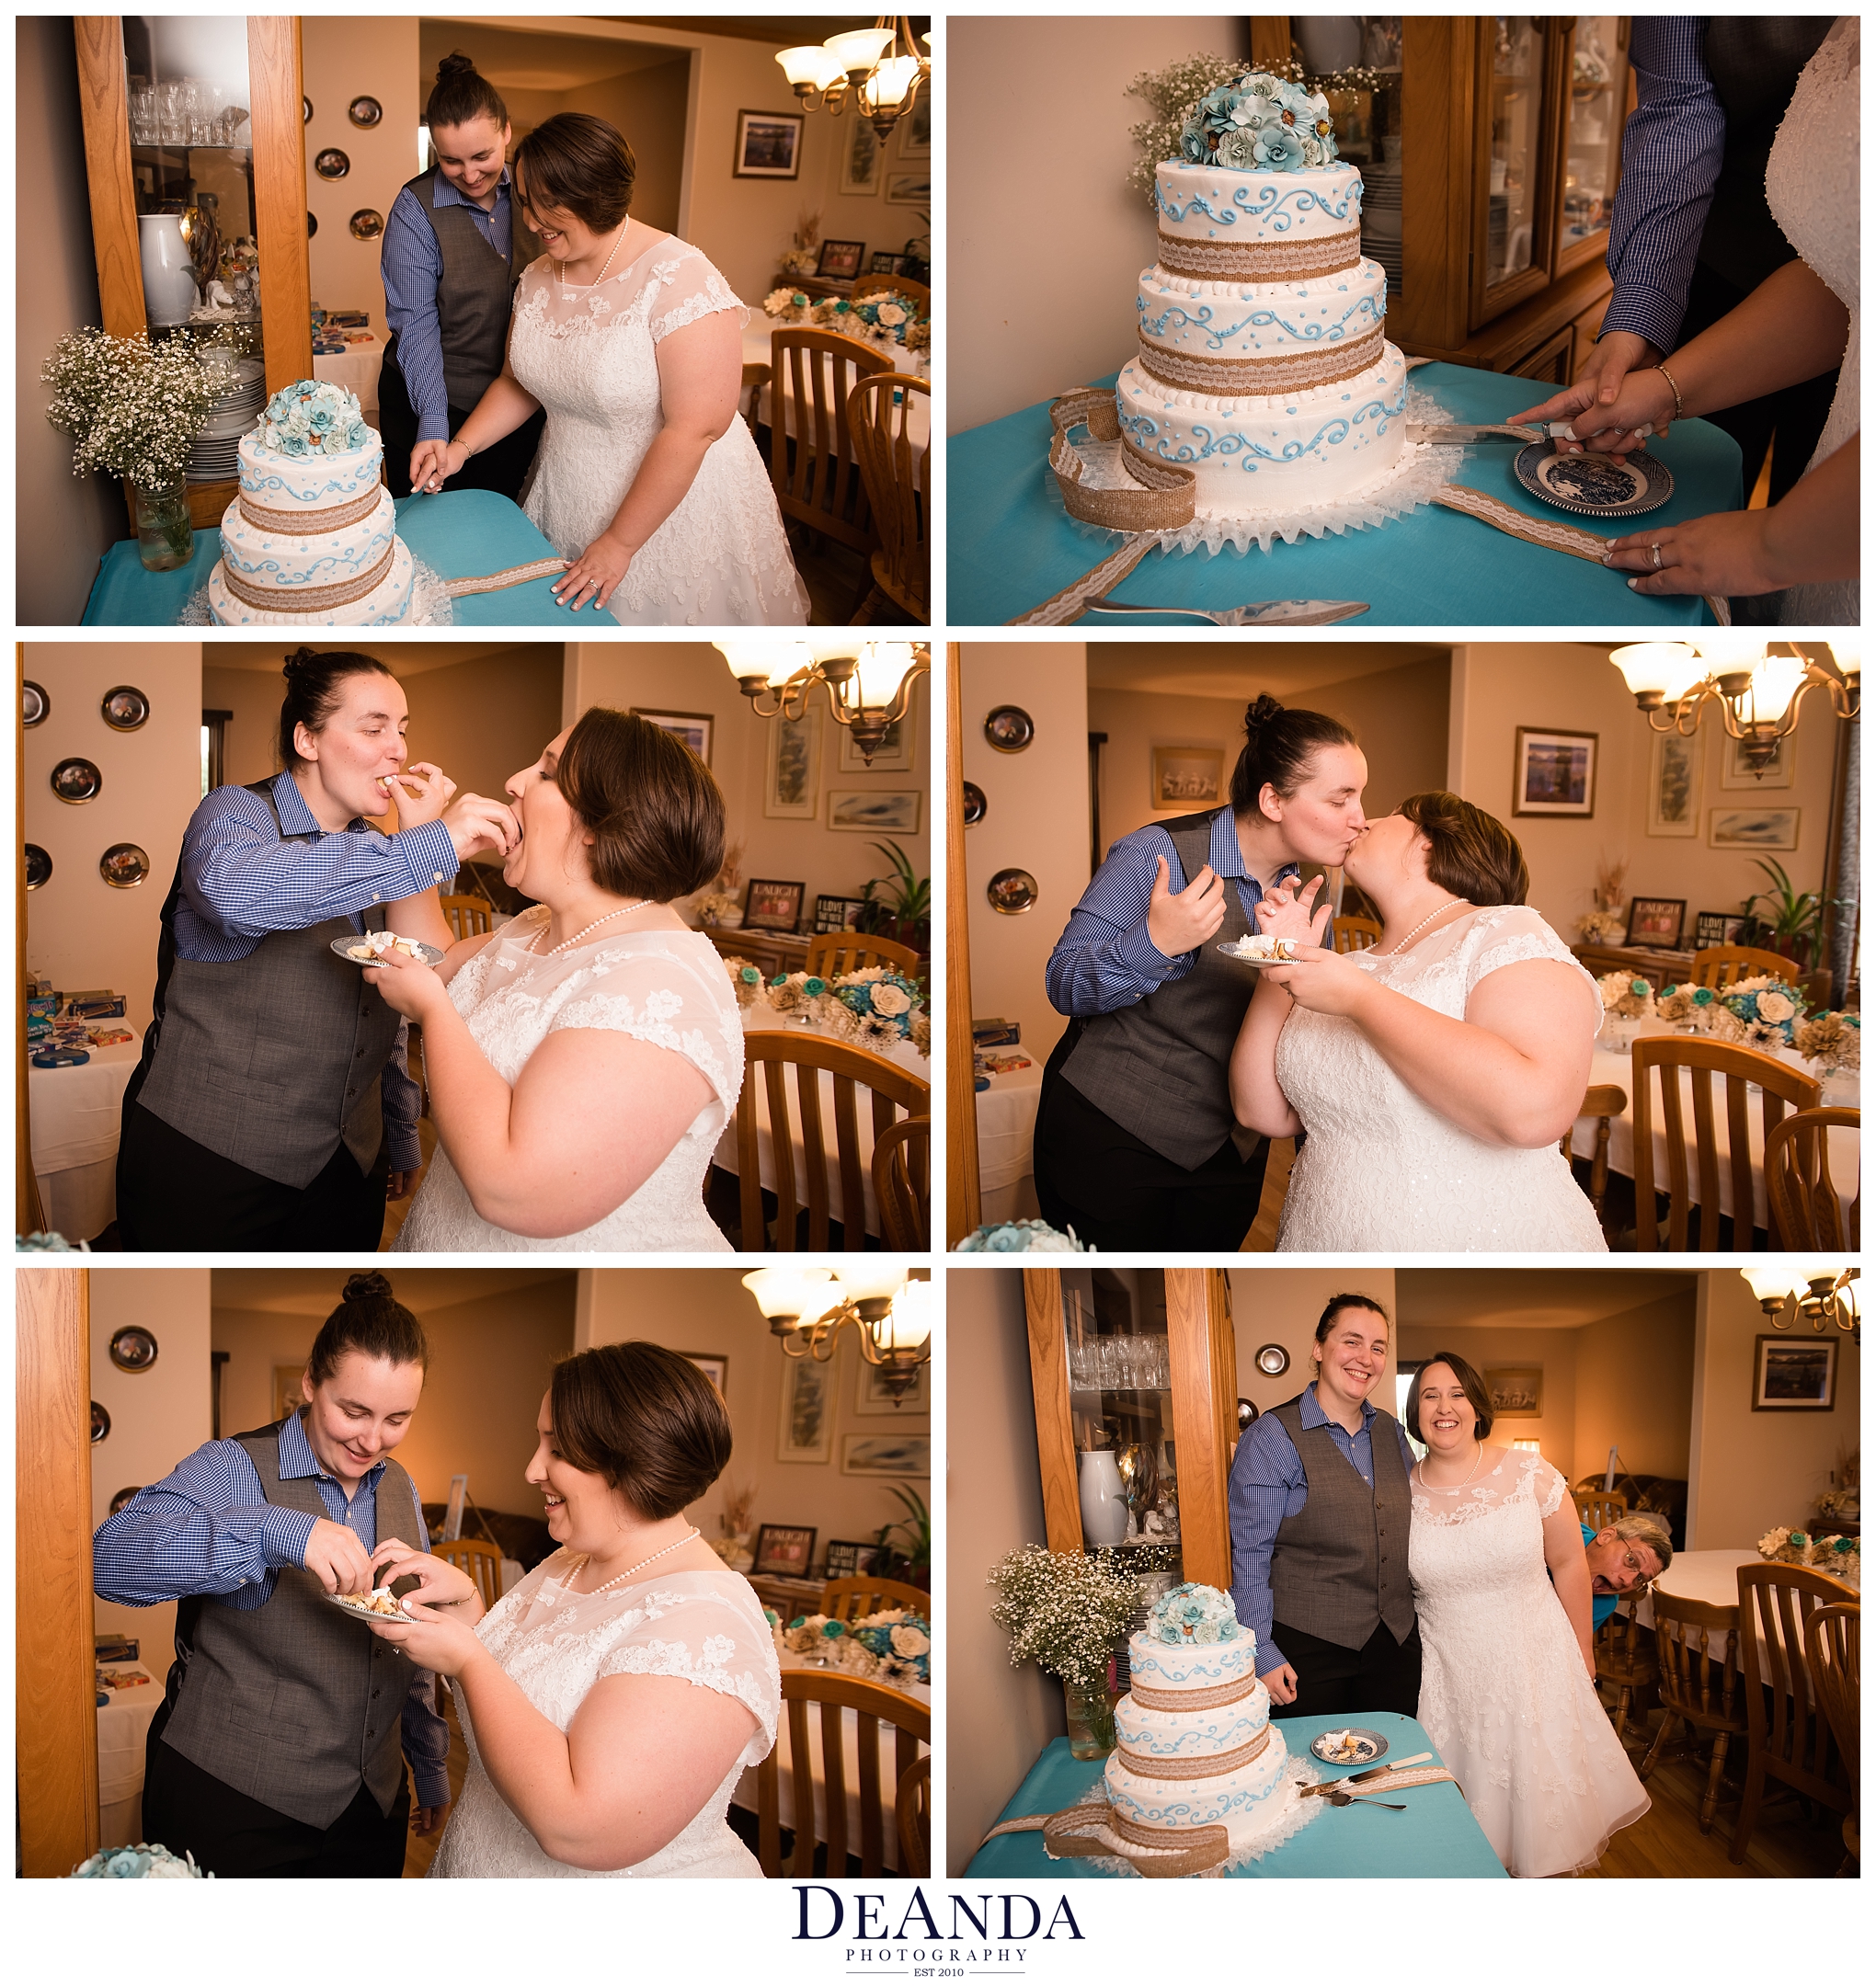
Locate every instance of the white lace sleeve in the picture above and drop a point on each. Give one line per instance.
(1548, 1487)
(690, 287)
(1515, 933)
(709, 1639)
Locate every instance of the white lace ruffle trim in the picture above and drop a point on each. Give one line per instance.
(431, 605)
(1288, 1814)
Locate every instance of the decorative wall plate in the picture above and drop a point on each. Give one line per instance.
(124, 708)
(1273, 1360)
(311, 225)
(1011, 892)
(331, 164)
(100, 1424)
(134, 1349)
(38, 866)
(305, 109)
(975, 804)
(1247, 1412)
(35, 705)
(367, 224)
(365, 111)
(1010, 730)
(123, 865)
(75, 781)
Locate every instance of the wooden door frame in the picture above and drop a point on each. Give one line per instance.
(28, 1213)
(963, 1195)
(1205, 1412)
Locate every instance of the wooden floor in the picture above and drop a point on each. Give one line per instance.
(837, 580)
(422, 1849)
(1262, 1239)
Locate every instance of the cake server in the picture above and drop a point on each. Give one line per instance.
(1256, 614)
(1464, 435)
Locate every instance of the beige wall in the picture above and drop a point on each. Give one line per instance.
(1634, 1390)
(1750, 1470)
(709, 1310)
(156, 1417)
(1038, 820)
(1496, 689)
(649, 106)
(343, 57)
(80, 931)
(996, 1717)
(693, 676)
(252, 697)
(1491, 1346)
(62, 524)
(1052, 262)
(1281, 1306)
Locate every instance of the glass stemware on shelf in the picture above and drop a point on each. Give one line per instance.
(1120, 1363)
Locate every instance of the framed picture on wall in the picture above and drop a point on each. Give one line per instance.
(289, 1393)
(915, 127)
(1674, 786)
(807, 1411)
(696, 728)
(1753, 830)
(1554, 772)
(1793, 1375)
(865, 810)
(895, 753)
(887, 1454)
(715, 1368)
(786, 1551)
(1736, 773)
(772, 905)
(909, 189)
(767, 144)
(1187, 776)
(871, 1397)
(791, 780)
(1516, 1391)
(1656, 920)
(860, 160)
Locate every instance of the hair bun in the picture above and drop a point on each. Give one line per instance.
(298, 663)
(454, 65)
(1261, 711)
(370, 1284)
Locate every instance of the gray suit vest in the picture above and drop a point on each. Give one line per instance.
(1338, 1565)
(271, 1060)
(293, 1704)
(1161, 1069)
(477, 294)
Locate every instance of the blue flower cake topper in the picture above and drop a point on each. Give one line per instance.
(1192, 1613)
(314, 417)
(1259, 123)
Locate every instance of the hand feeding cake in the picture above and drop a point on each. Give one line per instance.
(313, 534)
(1262, 365)
(1196, 1745)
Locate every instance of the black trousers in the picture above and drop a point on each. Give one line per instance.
(192, 1812)
(174, 1194)
(502, 466)
(1116, 1193)
(1331, 1681)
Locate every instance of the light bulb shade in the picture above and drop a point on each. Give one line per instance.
(1773, 683)
(860, 48)
(749, 656)
(1659, 669)
(814, 65)
(834, 644)
(806, 1295)
(1847, 651)
(908, 1326)
(1771, 1281)
(866, 1282)
(1727, 649)
(1806, 1270)
(883, 667)
(886, 89)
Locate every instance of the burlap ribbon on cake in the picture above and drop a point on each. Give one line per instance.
(309, 600)
(311, 523)
(1320, 366)
(1265, 261)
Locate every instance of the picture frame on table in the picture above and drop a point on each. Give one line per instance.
(849, 1558)
(840, 260)
(1656, 921)
(805, 1433)
(909, 189)
(894, 751)
(695, 728)
(1736, 774)
(1187, 776)
(872, 1397)
(1717, 928)
(833, 915)
(1516, 1392)
(790, 779)
(767, 144)
(715, 1367)
(865, 810)
(862, 163)
(1753, 830)
(772, 905)
(1554, 773)
(902, 1456)
(883, 263)
(1674, 786)
(784, 1551)
(1793, 1375)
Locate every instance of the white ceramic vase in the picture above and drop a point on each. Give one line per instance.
(170, 290)
(1104, 1508)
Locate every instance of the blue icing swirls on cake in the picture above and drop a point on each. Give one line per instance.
(311, 536)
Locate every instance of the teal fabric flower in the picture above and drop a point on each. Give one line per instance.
(1703, 995)
(1639, 987)
(813, 986)
(750, 976)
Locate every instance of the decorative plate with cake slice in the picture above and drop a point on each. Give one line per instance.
(381, 1603)
(371, 947)
(1260, 949)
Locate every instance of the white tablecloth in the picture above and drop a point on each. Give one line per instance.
(123, 1726)
(1006, 1134)
(356, 369)
(75, 1118)
(1607, 1067)
(756, 350)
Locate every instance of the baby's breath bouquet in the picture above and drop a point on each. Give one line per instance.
(134, 405)
(1176, 93)
(1063, 1611)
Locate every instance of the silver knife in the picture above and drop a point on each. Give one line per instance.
(1463, 435)
(1255, 613)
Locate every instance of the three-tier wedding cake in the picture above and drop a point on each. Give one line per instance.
(311, 536)
(1262, 364)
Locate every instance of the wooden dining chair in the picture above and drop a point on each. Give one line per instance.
(875, 1706)
(902, 1184)
(1788, 1738)
(1720, 966)
(811, 461)
(1800, 1193)
(1696, 1665)
(477, 1557)
(1834, 1649)
(898, 285)
(850, 1599)
(468, 917)
(1604, 1102)
(1624, 1652)
(1354, 933)
(836, 953)
(897, 476)
(767, 1056)
(1599, 1507)
(1778, 1083)
(755, 376)
(912, 1809)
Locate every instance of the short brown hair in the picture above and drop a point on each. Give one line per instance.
(577, 164)
(369, 1319)
(654, 812)
(644, 1418)
(1473, 855)
(1470, 1385)
(1349, 1300)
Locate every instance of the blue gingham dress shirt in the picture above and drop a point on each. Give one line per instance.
(1105, 959)
(207, 1529)
(1267, 1485)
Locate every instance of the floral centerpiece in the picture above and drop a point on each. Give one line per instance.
(1063, 1611)
(314, 417)
(1022, 1237)
(147, 1862)
(881, 317)
(1628, 1001)
(1833, 1041)
(1689, 1006)
(875, 1007)
(893, 1647)
(1761, 1011)
(1259, 123)
(1836, 1558)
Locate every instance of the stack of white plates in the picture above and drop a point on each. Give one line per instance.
(1381, 218)
(213, 455)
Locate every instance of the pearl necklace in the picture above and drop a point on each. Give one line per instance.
(567, 943)
(1394, 951)
(561, 266)
(587, 1559)
(1420, 1470)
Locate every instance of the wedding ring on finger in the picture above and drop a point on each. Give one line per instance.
(1655, 548)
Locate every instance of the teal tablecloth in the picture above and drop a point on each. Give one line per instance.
(1012, 544)
(1436, 1836)
(463, 534)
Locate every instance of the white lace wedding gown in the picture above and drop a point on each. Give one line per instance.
(1382, 1170)
(704, 1626)
(589, 354)
(666, 987)
(1504, 1693)
(1812, 181)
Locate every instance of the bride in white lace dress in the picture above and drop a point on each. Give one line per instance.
(611, 1701)
(1502, 1589)
(647, 480)
(583, 1060)
(1436, 1072)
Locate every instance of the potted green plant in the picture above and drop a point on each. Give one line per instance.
(906, 1543)
(1792, 923)
(898, 905)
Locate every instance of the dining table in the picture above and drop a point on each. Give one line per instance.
(1012, 546)
(75, 1115)
(124, 1730)
(1709, 1577)
(356, 369)
(757, 349)
(1006, 1138)
(1436, 1834)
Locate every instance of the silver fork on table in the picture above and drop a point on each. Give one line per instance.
(1255, 613)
